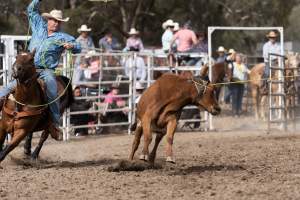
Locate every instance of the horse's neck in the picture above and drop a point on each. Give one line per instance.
(28, 93)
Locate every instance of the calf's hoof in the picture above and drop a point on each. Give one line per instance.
(144, 157)
(170, 160)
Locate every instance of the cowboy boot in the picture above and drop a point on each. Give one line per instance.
(55, 131)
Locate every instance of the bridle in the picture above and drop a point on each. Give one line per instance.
(199, 86)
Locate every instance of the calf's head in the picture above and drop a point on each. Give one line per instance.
(206, 98)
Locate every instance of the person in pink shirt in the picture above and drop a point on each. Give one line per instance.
(112, 99)
(186, 39)
(134, 42)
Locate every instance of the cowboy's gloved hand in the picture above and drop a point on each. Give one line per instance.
(68, 46)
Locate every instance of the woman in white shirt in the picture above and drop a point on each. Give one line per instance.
(240, 72)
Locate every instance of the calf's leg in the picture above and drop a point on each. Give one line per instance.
(146, 123)
(171, 127)
(136, 142)
(152, 156)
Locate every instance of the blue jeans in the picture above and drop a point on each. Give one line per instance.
(237, 98)
(48, 77)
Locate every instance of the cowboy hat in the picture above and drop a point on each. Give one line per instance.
(167, 23)
(90, 54)
(272, 34)
(176, 26)
(133, 31)
(231, 51)
(221, 49)
(55, 14)
(139, 86)
(84, 28)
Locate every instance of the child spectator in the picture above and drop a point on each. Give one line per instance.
(81, 119)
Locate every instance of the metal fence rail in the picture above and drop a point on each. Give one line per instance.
(111, 71)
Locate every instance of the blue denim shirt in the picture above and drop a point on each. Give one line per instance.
(48, 48)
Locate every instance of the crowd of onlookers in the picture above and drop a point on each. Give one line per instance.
(175, 39)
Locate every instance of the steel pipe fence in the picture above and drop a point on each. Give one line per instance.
(112, 71)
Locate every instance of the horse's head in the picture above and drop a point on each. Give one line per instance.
(207, 97)
(23, 68)
(291, 64)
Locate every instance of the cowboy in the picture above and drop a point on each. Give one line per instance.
(134, 41)
(269, 47)
(221, 54)
(167, 35)
(272, 46)
(49, 43)
(84, 39)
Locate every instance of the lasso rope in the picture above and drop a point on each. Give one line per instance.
(70, 66)
(248, 81)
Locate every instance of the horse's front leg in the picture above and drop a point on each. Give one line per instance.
(38, 148)
(3, 135)
(18, 136)
(27, 144)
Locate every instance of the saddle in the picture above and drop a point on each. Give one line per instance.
(18, 112)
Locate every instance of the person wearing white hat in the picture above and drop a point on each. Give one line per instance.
(139, 88)
(48, 43)
(134, 42)
(167, 35)
(272, 46)
(84, 39)
(221, 54)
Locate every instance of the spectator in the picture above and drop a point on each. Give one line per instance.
(112, 98)
(272, 46)
(84, 39)
(139, 88)
(175, 44)
(136, 62)
(134, 41)
(200, 47)
(186, 39)
(168, 35)
(227, 88)
(81, 119)
(87, 70)
(240, 72)
(115, 102)
(109, 43)
(221, 54)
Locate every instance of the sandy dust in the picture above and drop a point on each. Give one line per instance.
(239, 161)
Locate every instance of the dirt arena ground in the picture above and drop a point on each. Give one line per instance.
(239, 161)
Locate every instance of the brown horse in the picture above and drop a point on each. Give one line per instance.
(22, 120)
(219, 72)
(160, 107)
